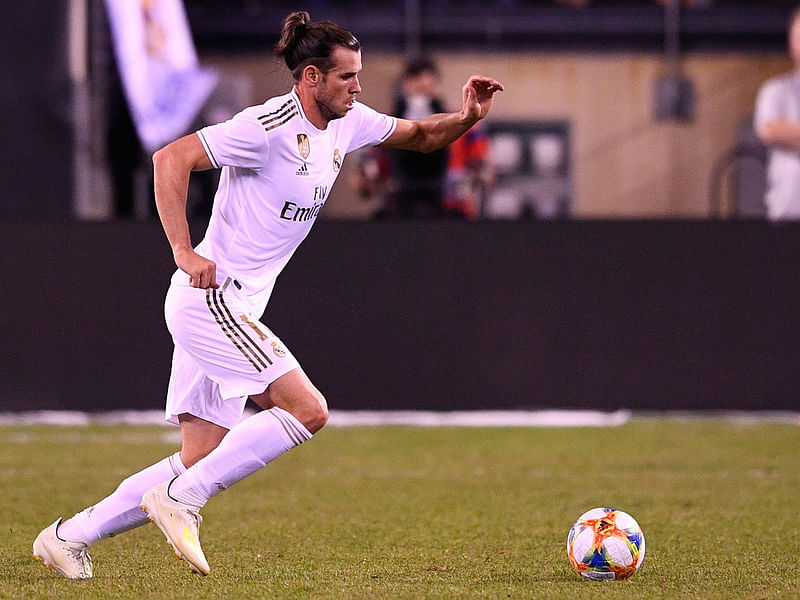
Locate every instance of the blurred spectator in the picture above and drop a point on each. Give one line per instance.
(370, 179)
(447, 183)
(469, 175)
(418, 179)
(777, 124)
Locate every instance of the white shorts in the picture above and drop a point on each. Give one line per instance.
(223, 354)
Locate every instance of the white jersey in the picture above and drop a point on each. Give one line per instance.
(277, 172)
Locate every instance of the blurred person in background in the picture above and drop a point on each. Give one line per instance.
(470, 175)
(371, 179)
(417, 180)
(777, 124)
(279, 161)
(450, 182)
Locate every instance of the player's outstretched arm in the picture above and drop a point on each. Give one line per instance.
(437, 131)
(172, 166)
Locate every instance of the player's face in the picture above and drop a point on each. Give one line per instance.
(337, 91)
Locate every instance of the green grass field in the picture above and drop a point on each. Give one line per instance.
(400, 512)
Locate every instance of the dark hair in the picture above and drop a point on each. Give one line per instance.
(305, 43)
(420, 65)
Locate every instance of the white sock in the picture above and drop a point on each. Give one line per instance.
(246, 448)
(120, 511)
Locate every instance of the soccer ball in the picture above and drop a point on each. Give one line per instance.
(605, 543)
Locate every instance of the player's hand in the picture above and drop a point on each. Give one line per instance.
(478, 93)
(202, 272)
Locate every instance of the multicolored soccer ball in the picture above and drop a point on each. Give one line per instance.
(605, 543)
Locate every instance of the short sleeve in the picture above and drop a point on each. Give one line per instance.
(239, 142)
(370, 127)
(768, 103)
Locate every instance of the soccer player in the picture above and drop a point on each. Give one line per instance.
(279, 161)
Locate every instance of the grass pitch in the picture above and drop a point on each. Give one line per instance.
(398, 512)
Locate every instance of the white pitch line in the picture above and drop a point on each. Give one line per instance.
(478, 418)
(346, 418)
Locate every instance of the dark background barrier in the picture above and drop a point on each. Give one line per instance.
(36, 107)
(605, 315)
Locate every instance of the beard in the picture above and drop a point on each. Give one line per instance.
(326, 108)
(327, 112)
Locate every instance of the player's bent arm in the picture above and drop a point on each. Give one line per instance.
(780, 133)
(437, 131)
(429, 134)
(172, 166)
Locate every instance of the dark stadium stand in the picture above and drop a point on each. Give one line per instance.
(506, 24)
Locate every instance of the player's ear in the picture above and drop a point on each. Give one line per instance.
(311, 75)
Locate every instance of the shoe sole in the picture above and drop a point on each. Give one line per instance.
(50, 567)
(175, 550)
(45, 564)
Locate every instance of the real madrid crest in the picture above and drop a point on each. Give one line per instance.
(303, 145)
(279, 352)
(337, 160)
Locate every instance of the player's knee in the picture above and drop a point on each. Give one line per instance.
(312, 411)
(309, 407)
(318, 412)
(295, 394)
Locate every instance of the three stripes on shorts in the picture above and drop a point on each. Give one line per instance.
(235, 332)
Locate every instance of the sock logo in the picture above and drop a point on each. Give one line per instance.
(221, 486)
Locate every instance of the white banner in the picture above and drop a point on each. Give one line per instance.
(164, 85)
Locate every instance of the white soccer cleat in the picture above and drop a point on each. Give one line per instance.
(180, 523)
(69, 559)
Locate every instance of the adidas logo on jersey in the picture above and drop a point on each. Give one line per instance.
(302, 171)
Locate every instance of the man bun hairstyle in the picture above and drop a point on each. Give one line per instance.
(305, 43)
